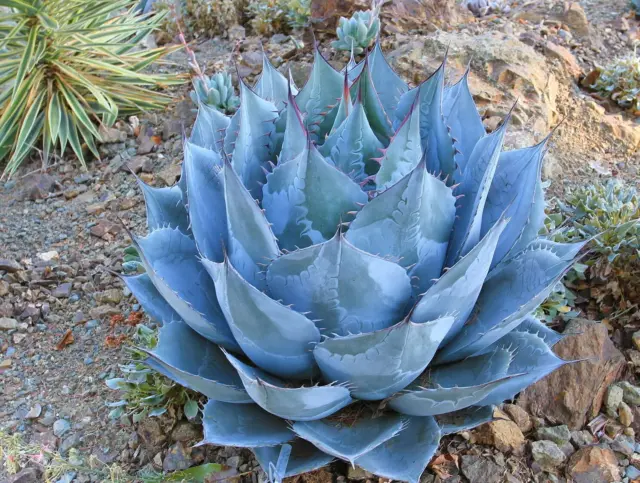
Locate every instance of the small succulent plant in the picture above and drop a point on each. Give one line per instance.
(216, 91)
(620, 81)
(273, 16)
(358, 32)
(350, 279)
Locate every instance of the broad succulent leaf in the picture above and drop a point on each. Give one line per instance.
(209, 129)
(410, 222)
(165, 207)
(291, 403)
(462, 117)
(243, 425)
(405, 456)
(203, 368)
(348, 442)
(319, 96)
(207, 210)
(271, 335)
(254, 145)
(353, 145)
(474, 188)
(306, 198)
(341, 287)
(304, 457)
(435, 139)
(379, 364)
(325, 280)
(171, 261)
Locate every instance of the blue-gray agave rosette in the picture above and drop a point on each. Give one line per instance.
(349, 270)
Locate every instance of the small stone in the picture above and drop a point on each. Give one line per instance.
(5, 364)
(547, 454)
(88, 361)
(27, 475)
(504, 435)
(49, 256)
(170, 174)
(234, 461)
(185, 431)
(9, 266)
(91, 324)
(103, 311)
(558, 434)
(104, 228)
(236, 32)
(635, 338)
(111, 296)
(481, 470)
(593, 464)
(68, 443)
(60, 427)
(139, 164)
(582, 438)
(8, 324)
(34, 412)
(612, 399)
(632, 472)
(4, 288)
(624, 445)
(625, 415)
(631, 393)
(17, 338)
(358, 473)
(177, 458)
(62, 291)
(518, 416)
(111, 135)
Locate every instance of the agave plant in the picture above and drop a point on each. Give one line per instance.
(357, 33)
(215, 91)
(67, 66)
(349, 280)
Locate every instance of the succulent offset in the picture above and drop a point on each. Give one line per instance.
(357, 33)
(349, 270)
(215, 91)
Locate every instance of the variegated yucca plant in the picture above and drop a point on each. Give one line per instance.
(349, 271)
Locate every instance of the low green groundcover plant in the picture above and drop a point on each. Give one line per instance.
(67, 66)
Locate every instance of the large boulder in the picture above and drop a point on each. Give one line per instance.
(573, 394)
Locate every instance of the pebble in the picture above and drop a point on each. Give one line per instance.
(631, 393)
(92, 324)
(9, 266)
(68, 443)
(625, 415)
(558, 434)
(8, 324)
(60, 427)
(632, 472)
(62, 291)
(88, 360)
(34, 412)
(547, 454)
(612, 400)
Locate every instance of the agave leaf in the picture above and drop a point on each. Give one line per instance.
(353, 145)
(411, 221)
(231, 134)
(512, 291)
(273, 336)
(205, 190)
(379, 364)
(461, 115)
(171, 261)
(254, 145)
(465, 419)
(209, 129)
(377, 116)
(403, 154)
(351, 441)
(203, 367)
(353, 68)
(251, 241)
(304, 457)
(532, 360)
(459, 287)
(513, 193)
(534, 326)
(388, 84)
(295, 404)
(345, 106)
(565, 251)
(272, 85)
(405, 456)
(319, 96)
(449, 388)
(296, 138)
(243, 425)
(148, 296)
(326, 280)
(474, 188)
(164, 207)
(435, 139)
(306, 199)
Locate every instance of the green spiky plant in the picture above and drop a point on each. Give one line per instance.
(358, 32)
(349, 279)
(273, 16)
(67, 66)
(216, 91)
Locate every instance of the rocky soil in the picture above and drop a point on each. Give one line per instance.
(61, 236)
